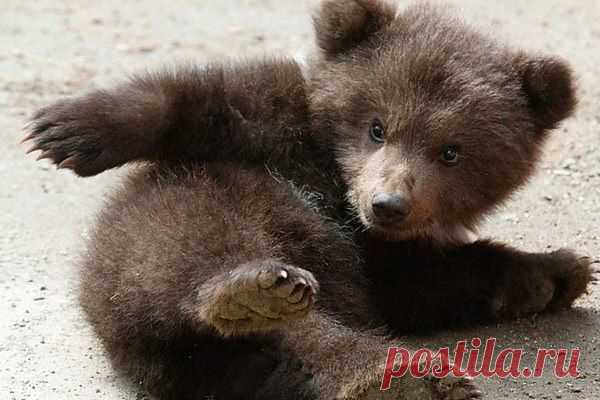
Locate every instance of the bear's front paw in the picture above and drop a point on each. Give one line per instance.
(571, 275)
(74, 133)
(546, 282)
(258, 296)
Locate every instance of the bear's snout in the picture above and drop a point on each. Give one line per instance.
(390, 208)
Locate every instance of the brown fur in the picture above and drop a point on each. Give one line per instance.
(259, 192)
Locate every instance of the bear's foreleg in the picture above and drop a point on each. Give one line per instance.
(421, 287)
(251, 111)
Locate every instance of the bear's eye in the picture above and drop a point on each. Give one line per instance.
(377, 132)
(450, 155)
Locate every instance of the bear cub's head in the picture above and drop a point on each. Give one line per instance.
(434, 124)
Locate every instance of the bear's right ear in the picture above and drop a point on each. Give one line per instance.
(341, 25)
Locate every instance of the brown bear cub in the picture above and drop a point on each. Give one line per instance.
(360, 179)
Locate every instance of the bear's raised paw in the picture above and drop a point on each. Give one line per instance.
(258, 296)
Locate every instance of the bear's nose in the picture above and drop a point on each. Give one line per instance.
(389, 207)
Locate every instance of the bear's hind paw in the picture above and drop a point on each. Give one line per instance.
(258, 296)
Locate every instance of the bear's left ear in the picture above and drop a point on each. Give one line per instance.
(550, 88)
(341, 25)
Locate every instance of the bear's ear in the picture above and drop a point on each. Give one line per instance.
(550, 88)
(341, 25)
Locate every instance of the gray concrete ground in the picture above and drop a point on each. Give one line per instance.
(55, 48)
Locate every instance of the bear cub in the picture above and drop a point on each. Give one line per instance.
(359, 180)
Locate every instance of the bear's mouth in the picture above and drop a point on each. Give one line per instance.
(399, 231)
(454, 234)
(458, 234)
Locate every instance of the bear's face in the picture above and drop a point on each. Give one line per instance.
(434, 124)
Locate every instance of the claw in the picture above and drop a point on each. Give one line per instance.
(267, 280)
(28, 124)
(477, 394)
(28, 137)
(70, 163)
(45, 154)
(32, 149)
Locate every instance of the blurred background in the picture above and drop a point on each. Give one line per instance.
(50, 49)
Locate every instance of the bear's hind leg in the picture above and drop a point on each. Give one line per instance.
(183, 270)
(349, 364)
